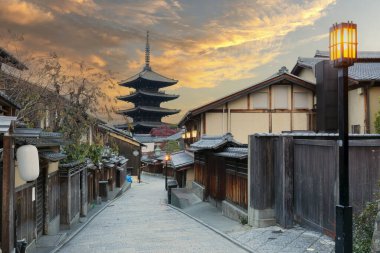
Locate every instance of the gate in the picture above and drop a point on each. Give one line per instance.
(315, 184)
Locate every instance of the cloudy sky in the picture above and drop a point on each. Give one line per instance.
(213, 47)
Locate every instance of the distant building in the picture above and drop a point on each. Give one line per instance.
(363, 95)
(282, 102)
(147, 98)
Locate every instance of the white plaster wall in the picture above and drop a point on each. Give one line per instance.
(244, 124)
(300, 121)
(356, 110)
(240, 103)
(374, 105)
(214, 123)
(280, 122)
(308, 75)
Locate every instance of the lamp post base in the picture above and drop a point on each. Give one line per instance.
(343, 241)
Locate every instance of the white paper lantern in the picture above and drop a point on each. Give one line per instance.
(28, 163)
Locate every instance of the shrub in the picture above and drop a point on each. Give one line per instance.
(363, 227)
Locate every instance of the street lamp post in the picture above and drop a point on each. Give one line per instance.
(167, 158)
(136, 154)
(343, 53)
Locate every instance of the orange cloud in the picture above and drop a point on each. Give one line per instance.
(23, 13)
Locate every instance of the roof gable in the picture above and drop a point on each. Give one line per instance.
(281, 77)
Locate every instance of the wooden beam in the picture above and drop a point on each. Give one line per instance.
(8, 190)
(248, 102)
(366, 111)
(291, 107)
(270, 108)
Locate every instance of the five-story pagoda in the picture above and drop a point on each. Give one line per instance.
(147, 98)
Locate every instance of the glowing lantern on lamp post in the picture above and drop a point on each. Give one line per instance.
(343, 44)
(343, 53)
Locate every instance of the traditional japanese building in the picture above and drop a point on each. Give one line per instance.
(147, 112)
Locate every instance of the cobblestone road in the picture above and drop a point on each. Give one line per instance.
(140, 221)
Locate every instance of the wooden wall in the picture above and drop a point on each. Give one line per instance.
(25, 210)
(126, 149)
(315, 183)
(237, 182)
(53, 196)
(217, 177)
(200, 169)
(297, 177)
(70, 200)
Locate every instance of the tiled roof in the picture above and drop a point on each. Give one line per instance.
(366, 69)
(51, 135)
(312, 134)
(152, 124)
(5, 122)
(9, 100)
(10, 60)
(234, 152)
(175, 137)
(149, 75)
(181, 159)
(361, 54)
(150, 94)
(116, 130)
(147, 138)
(52, 156)
(213, 142)
(149, 109)
(71, 164)
(41, 142)
(35, 136)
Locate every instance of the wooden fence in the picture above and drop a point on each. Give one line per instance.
(297, 177)
(237, 182)
(53, 195)
(25, 209)
(217, 177)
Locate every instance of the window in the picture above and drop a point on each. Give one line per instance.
(301, 100)
(355, 129)
(260, 100)
(280, 94)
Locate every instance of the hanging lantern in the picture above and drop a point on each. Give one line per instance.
(183, 136)
(167, 157)
(194, 133)
(188, 135)
(343, 44)
(28, 162)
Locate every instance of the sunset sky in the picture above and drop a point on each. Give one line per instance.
(213, 47)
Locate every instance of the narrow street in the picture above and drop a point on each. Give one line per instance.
(140, 221)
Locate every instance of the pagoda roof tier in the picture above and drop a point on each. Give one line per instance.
(147, 94)
(149, 109)
(147, 78)
(148, 124)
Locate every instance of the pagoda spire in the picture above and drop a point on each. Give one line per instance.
(147, 53)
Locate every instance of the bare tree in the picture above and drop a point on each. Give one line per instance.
(65, 98)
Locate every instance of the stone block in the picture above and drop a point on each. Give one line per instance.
(261, 218)
(198, 190)
(233, 211)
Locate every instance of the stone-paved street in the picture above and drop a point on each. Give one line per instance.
(275, 239)
(140, 221)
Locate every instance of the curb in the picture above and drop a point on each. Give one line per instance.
(213, 229)
(72, 235)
